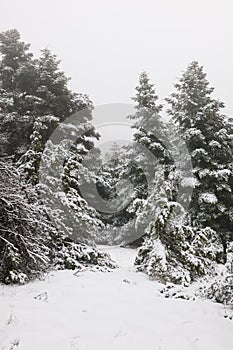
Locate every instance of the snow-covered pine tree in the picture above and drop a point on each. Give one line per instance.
(152, 137)
(29, 163)
(86, 218)
(73, 218)
(34, 100)
(30, 110)
(75, 223)
(30, 89)
(150, 129)
(57, 101)
(208, 136)
(17, 78)
(173, 250)
(71, 221)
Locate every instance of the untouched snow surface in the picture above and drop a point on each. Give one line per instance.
(107, 311)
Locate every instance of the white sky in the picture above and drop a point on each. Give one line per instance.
(104, 44)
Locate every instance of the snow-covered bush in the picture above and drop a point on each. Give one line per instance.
(177, 253)
(217, 287)
(23, 249)
(221, 290)
(68, 254)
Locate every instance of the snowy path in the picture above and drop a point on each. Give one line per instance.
(101, 311)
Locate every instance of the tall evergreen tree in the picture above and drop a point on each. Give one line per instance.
(16, 62)
(150, 148)
(173, 249)
(150, 129)
(30, 89)
(17, 78)
(208, 136)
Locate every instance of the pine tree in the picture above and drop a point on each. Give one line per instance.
(30, 111)
(208, 138)
(30, 89)
(17, 78)
(15, 64)
(52, 88)
(150, 148)
(29, 163)
(151, 135)
(40, 106)
(173, 250)
(150, 130)
(61, 175)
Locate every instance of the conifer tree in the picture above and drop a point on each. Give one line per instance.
(17, 78)
(174, 250)
(152, 138)
(30, 89)
(208, 137)
(29, 163)
(34, 100)
(150, 129)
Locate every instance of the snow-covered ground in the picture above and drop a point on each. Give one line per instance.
(120, 310)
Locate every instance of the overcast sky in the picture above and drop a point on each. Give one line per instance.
(104, 44)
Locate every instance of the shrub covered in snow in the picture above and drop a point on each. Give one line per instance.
(67, 254)
(179, 254)
(221, 290)
(29, 243)
(23, 250)
(218, 287)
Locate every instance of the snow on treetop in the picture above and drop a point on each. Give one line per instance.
(189, 182)
(208, 198)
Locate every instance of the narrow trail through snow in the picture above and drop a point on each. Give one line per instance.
(120, 310)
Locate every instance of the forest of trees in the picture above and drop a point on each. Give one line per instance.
(181, 221)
